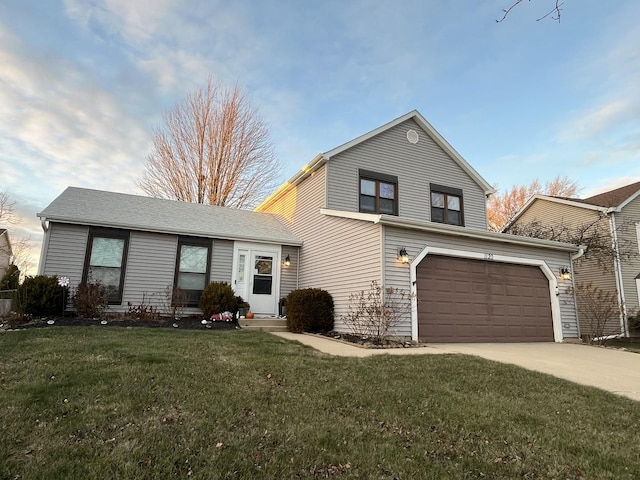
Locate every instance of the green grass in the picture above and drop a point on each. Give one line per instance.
(632, 346)
(98, 403)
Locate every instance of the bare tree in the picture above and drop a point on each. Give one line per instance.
(19, 249)
(595, 235)
(213, 148)
(502, 207)
(553, 12)
(7, 210)
(378, 312)
(600, 311)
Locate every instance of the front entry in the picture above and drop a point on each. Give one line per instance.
(256, 276)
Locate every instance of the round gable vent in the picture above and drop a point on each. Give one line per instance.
(412, 136)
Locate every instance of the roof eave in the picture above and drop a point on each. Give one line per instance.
(193, 233)
(455, 230)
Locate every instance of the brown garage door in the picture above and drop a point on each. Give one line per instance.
(463, 300)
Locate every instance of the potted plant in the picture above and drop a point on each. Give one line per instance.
(243, 306)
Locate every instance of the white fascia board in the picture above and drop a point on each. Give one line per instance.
(444, 229)
(367, 217)
(628, 200)
(192, 233)
(478, 234)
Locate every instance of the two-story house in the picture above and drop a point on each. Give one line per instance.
(613, 219)
(397, 205)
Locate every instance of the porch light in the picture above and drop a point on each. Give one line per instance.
(403, 256)
(287, 261)
(565, 273)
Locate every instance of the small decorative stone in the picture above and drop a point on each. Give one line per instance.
(50, 322)
(103, 322)
(175, 325)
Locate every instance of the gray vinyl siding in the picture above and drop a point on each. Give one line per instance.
(222, 261)
(587, 270)
(149, 271)
(65, 252)
(398, 275)
(627, 221)
(415, 165)
(339, 255)
(289, 275)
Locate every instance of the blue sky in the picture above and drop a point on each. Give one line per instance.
(84, 82)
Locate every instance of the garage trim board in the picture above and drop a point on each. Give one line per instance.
(488, 257)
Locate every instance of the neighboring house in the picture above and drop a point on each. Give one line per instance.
(397, 205)
(138, 246)
(617, 214)
(402, 188)
(5, 250)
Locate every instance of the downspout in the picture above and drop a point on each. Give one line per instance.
(45, 245)
(573, 258)
(618, 274)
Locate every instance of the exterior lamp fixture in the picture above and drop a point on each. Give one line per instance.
(287, 261)
(565, 273)
(403, 256)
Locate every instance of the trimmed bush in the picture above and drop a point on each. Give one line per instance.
(218, 297)
(309, 310)
(90, 300)
(40, 296)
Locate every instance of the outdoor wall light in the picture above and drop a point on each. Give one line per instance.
(403, 256)
(565, 273)
(287, 261)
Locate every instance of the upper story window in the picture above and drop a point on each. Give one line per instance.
(105, 261)
(446, 205)
(192, 270)
(378, 193)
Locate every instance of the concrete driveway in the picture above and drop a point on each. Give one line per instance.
(616, 371)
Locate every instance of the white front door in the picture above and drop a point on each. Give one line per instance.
(256, 276)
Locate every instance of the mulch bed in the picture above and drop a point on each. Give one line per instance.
(185, 323)
(369, 342)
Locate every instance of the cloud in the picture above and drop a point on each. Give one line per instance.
(600, 119)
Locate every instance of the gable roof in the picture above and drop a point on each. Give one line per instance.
(118, 210)
(615, 198)
(574, 202)
(414, 115)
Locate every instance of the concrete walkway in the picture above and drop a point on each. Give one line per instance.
(616, 371)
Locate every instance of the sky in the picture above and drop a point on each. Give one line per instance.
(83, 84)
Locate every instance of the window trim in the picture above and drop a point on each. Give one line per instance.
(447, 191)
(378, 177)
(103, 232)
(194, 242)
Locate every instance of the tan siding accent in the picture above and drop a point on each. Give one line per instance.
(399, 276)
(586, 270)
(554, 213)
(415, 165)
(339, 255)
(629, 217)
(222, 261)
(66, 251)
(289, 275)
(149, 271)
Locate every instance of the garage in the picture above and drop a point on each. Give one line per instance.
(469, 300)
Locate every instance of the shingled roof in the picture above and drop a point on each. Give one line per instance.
(614, 198)
(118, 210)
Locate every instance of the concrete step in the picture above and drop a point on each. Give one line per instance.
(270, 324)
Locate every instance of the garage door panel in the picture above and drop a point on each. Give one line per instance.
(465, 300)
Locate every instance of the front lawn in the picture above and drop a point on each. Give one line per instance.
(633, 345)
(98, 403)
